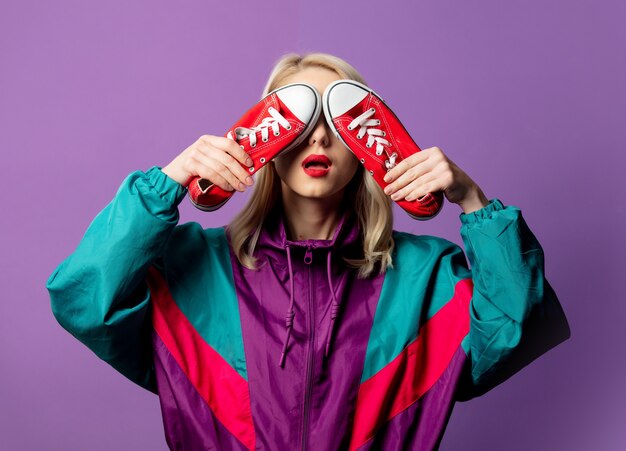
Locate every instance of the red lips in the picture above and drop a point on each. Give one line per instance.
(316, 159)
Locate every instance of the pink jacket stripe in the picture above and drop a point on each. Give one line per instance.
(408, 376)
(225, 391)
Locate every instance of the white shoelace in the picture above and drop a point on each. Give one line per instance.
(274, 120)
(374, 135)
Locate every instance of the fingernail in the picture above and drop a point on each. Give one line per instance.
(395, 196)
(241, 186)
(249, 181)
(249, 161)
(388, 190)
(387, 178)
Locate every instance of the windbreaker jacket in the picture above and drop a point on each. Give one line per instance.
(301, 353)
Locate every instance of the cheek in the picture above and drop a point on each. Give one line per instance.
(351, 164)
(283, 165)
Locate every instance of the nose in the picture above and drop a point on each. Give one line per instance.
(320, 134)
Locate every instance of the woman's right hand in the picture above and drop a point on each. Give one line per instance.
(213, 158)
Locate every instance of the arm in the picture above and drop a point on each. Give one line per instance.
(515, 315)
(98, 293)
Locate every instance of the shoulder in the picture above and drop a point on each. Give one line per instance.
(194, 256)
(425, 254)
(192, 231)
(406, 243)
(427, 264)
(190, 241)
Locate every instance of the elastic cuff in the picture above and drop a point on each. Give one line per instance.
(482, 214)
(169, 189)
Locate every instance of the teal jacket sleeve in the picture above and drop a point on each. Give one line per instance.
(515, 315)
(98, 293)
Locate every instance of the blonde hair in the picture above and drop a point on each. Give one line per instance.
(371, 206)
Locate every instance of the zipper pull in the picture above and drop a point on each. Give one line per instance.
(308, 256)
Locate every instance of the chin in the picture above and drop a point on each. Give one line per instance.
(315, 194)
(312, 188)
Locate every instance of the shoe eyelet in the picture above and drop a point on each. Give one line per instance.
(276, 133)
(384, 133)
(262, 159)
(371, 172)
(288, 127)
(251, 169)
(350, 128)
(265, 140)
(363, 160)
(378, 122)
(368, 146)
(253, 145)
(373, 110)
(241, 145)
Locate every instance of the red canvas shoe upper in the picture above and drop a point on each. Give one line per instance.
(370, 129)
(276, 124)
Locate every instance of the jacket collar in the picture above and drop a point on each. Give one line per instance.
(346, 242)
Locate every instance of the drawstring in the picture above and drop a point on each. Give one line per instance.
(290, 312)
(334, 310)
(334, 307)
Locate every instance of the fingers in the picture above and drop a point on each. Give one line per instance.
(221, 169)
(220, 160)
(417, 188)
(419, 174)
(407, 173)
(231, 147)
(404, 165)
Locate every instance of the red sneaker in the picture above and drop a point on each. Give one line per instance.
(290, 112)
(354, 111)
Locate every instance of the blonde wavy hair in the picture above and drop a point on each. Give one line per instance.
(371, 205)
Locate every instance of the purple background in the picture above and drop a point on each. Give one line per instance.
(527, 97)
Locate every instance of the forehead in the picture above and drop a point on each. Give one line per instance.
(318, 77)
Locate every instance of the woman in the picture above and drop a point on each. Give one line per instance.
(307, 321)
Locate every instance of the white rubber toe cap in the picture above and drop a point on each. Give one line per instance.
(302, 100)
(343, 95)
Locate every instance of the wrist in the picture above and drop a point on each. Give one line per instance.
(474, 201)
(177, 175)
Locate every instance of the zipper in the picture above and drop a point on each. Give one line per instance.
(308, 259)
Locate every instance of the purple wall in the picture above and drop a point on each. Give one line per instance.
(528, 98)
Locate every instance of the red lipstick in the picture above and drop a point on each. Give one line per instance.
(316, 165)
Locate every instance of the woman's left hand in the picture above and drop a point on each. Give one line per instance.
(430, 171)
